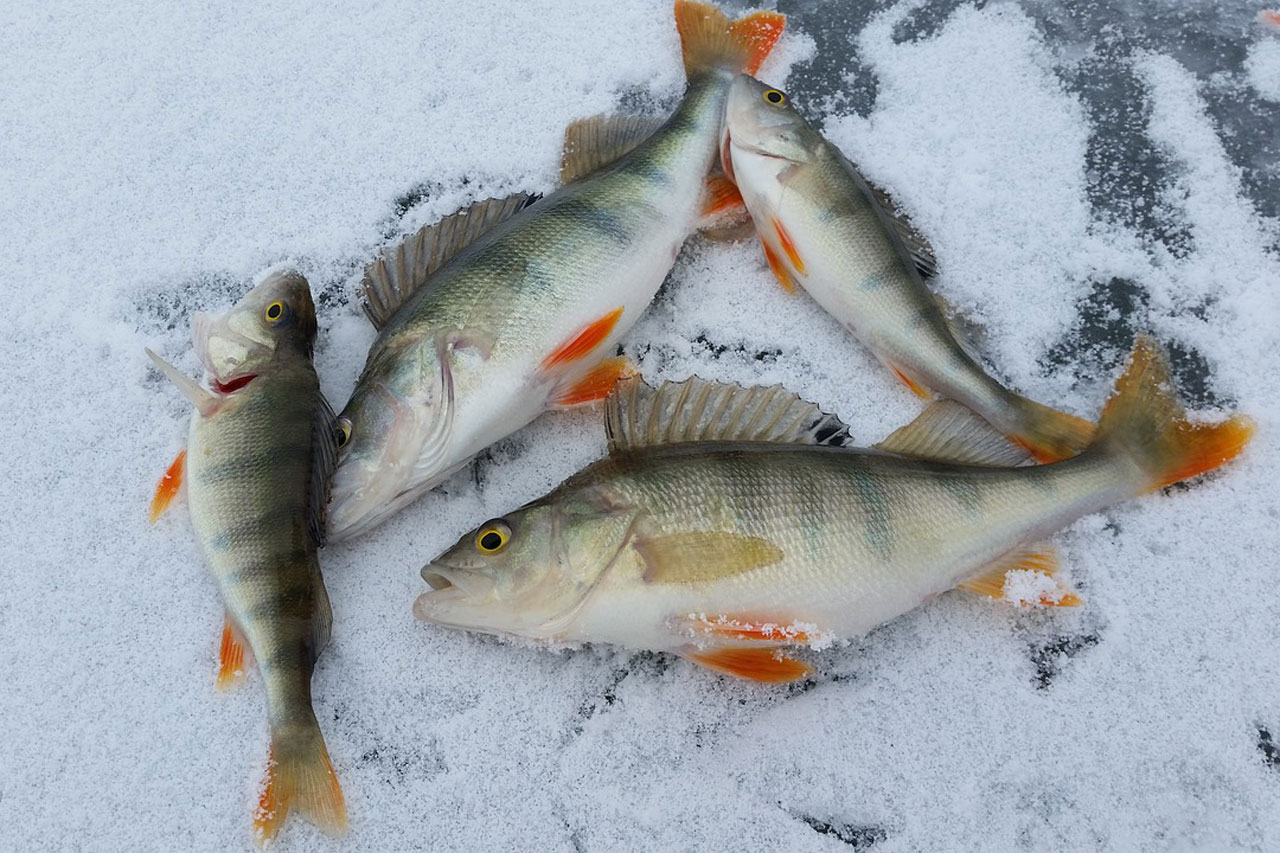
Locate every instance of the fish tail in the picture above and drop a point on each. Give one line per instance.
(299, 776)
(1048, 434)
(1145, 423)
(709, 39)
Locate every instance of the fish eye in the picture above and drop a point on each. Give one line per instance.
(342, 429)
(775, 97)
(277, 312)
(493, 536)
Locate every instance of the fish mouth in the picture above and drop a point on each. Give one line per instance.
(450, 583)
(435, 580)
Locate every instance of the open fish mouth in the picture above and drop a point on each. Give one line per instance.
(435, 580)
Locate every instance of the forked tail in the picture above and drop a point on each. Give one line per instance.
(710, 40)
(1144, 422)
(299, 776)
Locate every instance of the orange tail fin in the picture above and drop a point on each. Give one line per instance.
(710, 40)
(167, 488)
(1144, 421)
(299, 776)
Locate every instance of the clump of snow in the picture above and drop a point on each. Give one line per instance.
(1025, 587)
(155, 156)
(1263, 66)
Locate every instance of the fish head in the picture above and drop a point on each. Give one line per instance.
(273, 320)
(528, 573)
(762, 132)
(393, 437)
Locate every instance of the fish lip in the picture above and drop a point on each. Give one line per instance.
(435, 580)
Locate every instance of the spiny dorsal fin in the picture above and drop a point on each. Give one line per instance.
(917, 246)
(639, 415)
(324, 458)
(1040, 562)
(949, 432)
(703, 555)
(591, 143)
(400, 270)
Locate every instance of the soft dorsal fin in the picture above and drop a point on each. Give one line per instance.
(591, 143)
(400, 270)
(917, 246)
(639, 415)
(949, 432)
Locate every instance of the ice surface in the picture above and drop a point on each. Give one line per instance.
(1084, 170)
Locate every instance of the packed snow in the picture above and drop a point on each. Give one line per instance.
(1083, 175)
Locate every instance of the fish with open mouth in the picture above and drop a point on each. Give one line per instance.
(725, 528)
(260, 451)
(841, 239)
(513, 306)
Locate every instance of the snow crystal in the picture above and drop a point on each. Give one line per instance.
(155, 156)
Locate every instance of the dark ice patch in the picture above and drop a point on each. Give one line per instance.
(1051, 658)
(1267, 746)
(170, 306)
(857, 836)
(738, 351)
(835, 81)
(925, 21)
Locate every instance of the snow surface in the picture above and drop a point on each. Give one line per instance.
(1084, 170)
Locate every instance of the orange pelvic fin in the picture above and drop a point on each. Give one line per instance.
(916, 388)
(745, 629)
(232, 658)
(299, 776)
(779, 270)
(168, 487)
(581, 343)
(596, 384)
(722, 197)
(789, 246)
(755, 664)
(1040, 559)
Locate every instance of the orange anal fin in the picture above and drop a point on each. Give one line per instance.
(759, 664)
(582, 343)
(761, 31)
(779, 271)
(167, 488)
(596, 384)
(740, 629)
(232, 658)
(1027, 577)
(789, 247)
(916, 388)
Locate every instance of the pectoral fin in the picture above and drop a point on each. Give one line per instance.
(700, 556)
(1040, 560)
(583, 342)
(595, 384)
(755, 664)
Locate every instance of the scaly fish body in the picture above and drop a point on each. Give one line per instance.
(259, 452)
(823, 227)
(700, 539)
(519, 319)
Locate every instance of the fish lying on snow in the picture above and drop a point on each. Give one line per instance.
(720, 529)
(509, 307)
(257, 464)
(824, 227)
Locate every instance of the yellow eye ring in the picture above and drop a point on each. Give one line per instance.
(775, 97)
(493, 537)
(276, 312)
(343, 430)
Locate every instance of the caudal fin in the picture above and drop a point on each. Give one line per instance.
(710, 40)
(1050, 435)
(1145, 422)
(299, 776)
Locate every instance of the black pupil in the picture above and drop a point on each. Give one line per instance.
(274, 311)
(491, 541)
(775, 97)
